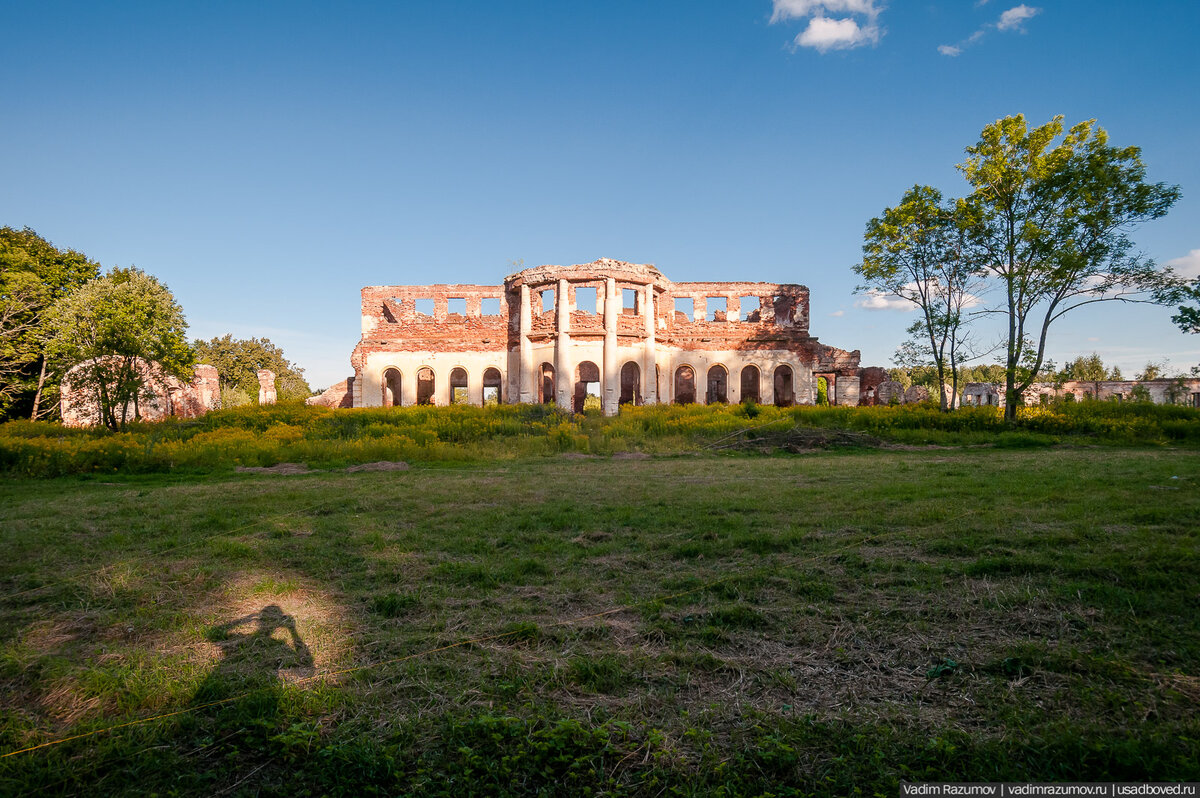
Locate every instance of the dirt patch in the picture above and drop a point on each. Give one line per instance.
(283, 469)
(382, 465)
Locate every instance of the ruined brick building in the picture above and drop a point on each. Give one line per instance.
(620, 332)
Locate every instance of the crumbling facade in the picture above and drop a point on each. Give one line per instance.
(615, 331)
(162, 395)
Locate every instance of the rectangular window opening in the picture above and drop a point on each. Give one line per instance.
(685, 305)
(750, 305)
(423, 305)
(629, 297)
(489, 306)
(548, 300)
(456, 305)
(585, 299)
(715, 308)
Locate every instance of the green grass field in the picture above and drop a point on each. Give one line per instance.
(826, 623)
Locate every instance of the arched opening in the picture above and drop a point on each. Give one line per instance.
(425, 385)
(391, 388)
(587, 387)
(546, 385)
(785, 392)
(718, 386)
(631, 384)
(822, 391)
(491, 387)
(750, 380)
(685, 385)
(458, 387)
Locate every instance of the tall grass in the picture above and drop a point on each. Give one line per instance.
(293, 432)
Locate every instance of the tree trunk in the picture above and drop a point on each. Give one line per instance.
(37, 397)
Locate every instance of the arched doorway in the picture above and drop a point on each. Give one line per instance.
(458, 387)
(546, 385)
(718, 386)
(587, 387)
(822, 391)
(425, 385)
(685, 385)
(391, 388)
(750, 380)
(631, 384)
(785, 392)
(491, 387)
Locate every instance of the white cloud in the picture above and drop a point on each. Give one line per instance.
(824, 34)
(1013, 18)
(832, 24)
(798, 9)
(877, 300)
(1188, 266)
(837, 313)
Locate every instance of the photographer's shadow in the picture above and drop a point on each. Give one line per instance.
(256, 661)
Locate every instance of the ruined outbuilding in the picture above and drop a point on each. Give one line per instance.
(1177, 391)
(162, 396)
(615, 331)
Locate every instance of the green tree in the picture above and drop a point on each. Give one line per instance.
(1054, 212)
(918, 251)
(237, 362)
(33, 275)
(110, 328)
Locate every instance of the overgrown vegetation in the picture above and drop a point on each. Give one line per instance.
(709, 625)
(327, 438)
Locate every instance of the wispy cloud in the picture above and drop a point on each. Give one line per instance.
(1014, 18)
(1011, 20)
(1188, 266)
(877, 300)
(832, 24)
(838, 313)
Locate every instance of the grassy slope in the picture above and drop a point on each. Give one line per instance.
(814, 596)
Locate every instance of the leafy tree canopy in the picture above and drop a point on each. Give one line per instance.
(108, 328)
(237, 362)
(33, 275)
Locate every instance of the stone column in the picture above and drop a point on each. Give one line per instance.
(525, 373)
(408, 387)
(266, 387)
(563, 375)
(650, 355)
(612, 368)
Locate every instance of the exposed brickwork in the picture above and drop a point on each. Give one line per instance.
(164, 395)
(544, 324)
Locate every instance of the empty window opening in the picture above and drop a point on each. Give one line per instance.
(392, 309)
(718, 386)
(546, 385)
(458, 387)
(391, 388)
(785, 395)
(585, 299)
(425, 385)
(457, 304)
(822, 390)
(751, 308)
(587, 387)
(686, 306)
(716, 308)
(489, 306)
(491, 387)
(547, 301)
(629, 301)
(424, 306)
(750, 384)
(685, 385)
(631, 384)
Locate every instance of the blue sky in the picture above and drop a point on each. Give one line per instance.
(266, 160)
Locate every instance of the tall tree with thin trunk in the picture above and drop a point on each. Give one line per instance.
(919, 251)
(1053, 215)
